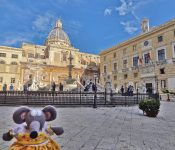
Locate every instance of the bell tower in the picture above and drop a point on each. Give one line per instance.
(145, 25)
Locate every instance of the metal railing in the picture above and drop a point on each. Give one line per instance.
(71, 98)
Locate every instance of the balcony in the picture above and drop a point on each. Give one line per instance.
(30, 59)
(173, 59)
(135, 68)
(114, 72)
(161, 62)
(148, 70)
(104, 74)
(125, 70)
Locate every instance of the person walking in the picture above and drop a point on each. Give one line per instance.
(5, 87)
(94, 87)
(24, 88)
(11, 88)
(122, 89)
(53, 87)
(61, 87)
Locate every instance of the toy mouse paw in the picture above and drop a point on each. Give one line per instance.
(55, 130)
(7, 136)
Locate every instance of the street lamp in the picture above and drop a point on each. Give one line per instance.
(157, 84)
(95, 93)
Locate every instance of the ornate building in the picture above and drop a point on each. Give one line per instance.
(45, 63)
(146, 61)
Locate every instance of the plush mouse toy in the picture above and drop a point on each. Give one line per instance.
(33, 133)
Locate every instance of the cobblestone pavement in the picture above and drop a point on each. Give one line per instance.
(116, 128)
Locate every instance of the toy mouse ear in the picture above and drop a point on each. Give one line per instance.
(19, 115)
(50, 113)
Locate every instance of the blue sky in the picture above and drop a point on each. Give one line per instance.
(92, 25)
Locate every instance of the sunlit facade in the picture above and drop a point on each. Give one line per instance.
(45, 63)
(146, 61)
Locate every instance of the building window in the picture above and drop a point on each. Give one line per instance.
(174, 33)
(135, 61)
(146, 58)
(42, 56)
(114, 55)
(14, 56)
(23, 53)
(30, 55)
(125, 76)
(115, 66)
(160, 38)
(105, 69)
(37, 55)
(30, 76)
(124, 52)
(13, 63)
(1, 79)
(44, 77)
(135, 75)
(125, 62)
(163, 83)
(134, 47)
(115, 77)
(2, 62)
(2, 54)
(64, 56)
(162, 71)
(115, 86)
(173, 51)
(161, 55)
(104, 58)
(12, 80)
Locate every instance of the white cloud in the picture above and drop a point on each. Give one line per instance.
(43, 23)
(11, 40)
(129, 6)
(129, 26)
(125, 7)
(73, 27)
(107, 11)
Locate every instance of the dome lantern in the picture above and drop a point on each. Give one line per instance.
(58, 24)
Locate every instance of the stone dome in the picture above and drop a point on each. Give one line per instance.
(58, 36)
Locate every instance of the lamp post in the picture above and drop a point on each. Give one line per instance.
(70, 66)
(95, 93)
(157, 85)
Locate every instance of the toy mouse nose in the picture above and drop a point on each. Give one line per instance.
(33, 134)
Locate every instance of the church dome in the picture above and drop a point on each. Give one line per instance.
(58, 36)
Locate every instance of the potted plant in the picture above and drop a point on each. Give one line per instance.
(142, 106)
(150, 107)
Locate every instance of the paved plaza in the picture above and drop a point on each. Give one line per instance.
(115, 128)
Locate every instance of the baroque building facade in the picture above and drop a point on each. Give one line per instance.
(146, 61)
(45, 63)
